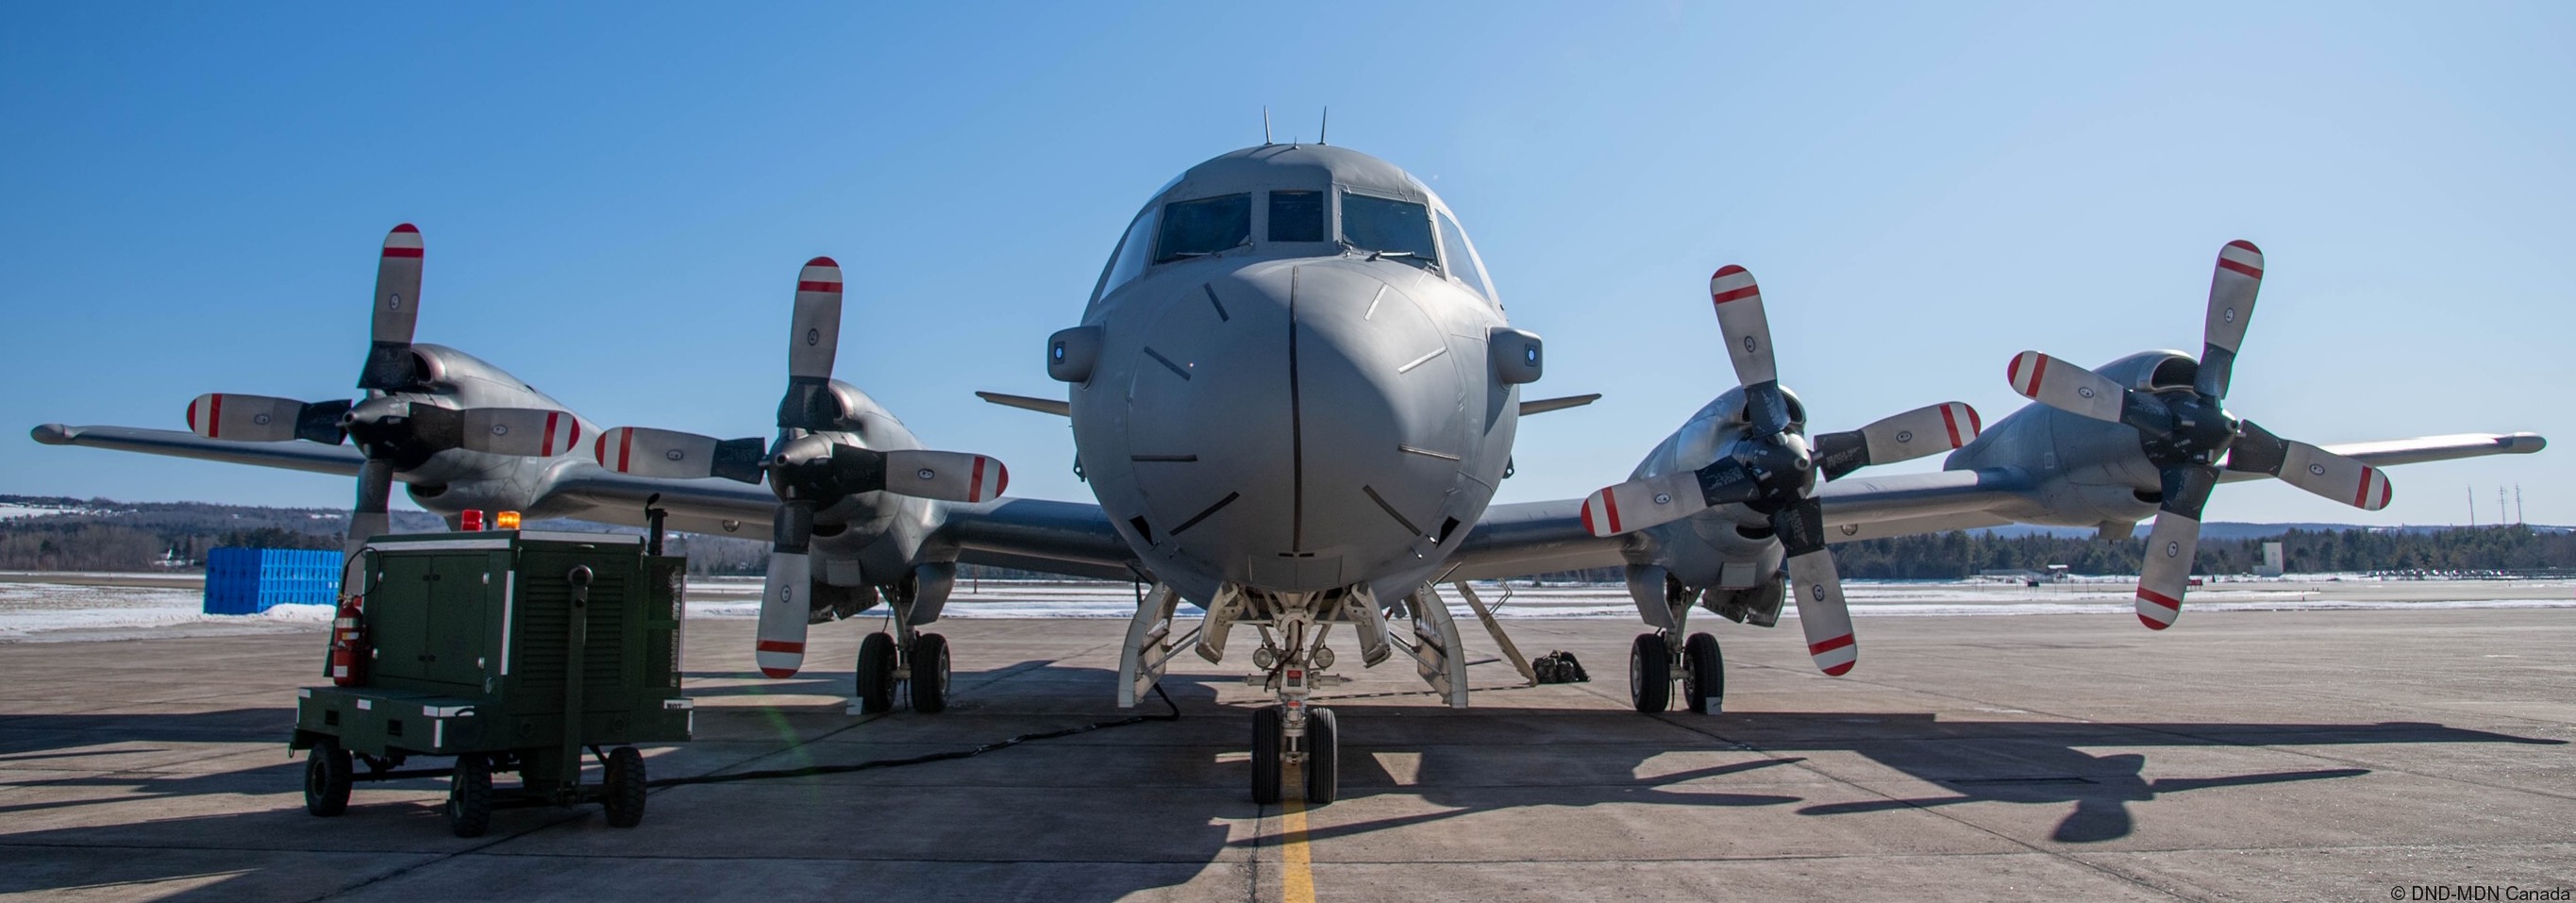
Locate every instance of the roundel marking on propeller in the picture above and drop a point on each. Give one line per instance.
(2243, 257)
(260, 418)
(2173, 549)
(674, 455)
(500, 429)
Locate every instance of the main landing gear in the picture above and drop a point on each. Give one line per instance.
(1651, 663)
(915, 661)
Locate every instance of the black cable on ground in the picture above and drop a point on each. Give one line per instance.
(812, 770)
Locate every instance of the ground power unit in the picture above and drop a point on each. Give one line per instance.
(514, 652)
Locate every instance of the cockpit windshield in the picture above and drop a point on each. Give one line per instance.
(1204, 226)
(1388, 226)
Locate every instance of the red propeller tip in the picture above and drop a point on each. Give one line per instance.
(406, 227)
(779, 673)
(821, 262)
(1727, 270)
(2243, 245)
(2152, 624)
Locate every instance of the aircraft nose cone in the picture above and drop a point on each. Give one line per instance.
(1298, 427)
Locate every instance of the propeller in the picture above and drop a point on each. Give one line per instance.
(2190, 436)
(393, 432)
(1773, 469)
(811, 465)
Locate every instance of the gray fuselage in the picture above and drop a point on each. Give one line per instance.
(1303, 409)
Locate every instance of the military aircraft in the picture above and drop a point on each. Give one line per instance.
(1293, 393)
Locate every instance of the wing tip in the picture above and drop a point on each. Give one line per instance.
(52, 434)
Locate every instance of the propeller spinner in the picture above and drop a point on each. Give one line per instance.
(1773, 469)
(2190, 436)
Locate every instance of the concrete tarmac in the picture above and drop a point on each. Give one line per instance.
(2313, 755)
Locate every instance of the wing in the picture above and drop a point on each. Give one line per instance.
(1534, 538)
(1070, 538)
(1543, 537)
(340, 460)
(715, 507)
(2393, 452)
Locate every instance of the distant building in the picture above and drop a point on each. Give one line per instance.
(2271, 566)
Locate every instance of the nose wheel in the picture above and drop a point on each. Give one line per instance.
(1319, 751)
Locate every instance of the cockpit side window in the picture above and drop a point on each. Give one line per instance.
(1388, 226)
(1463, 262)
(1204, 226)
(1129, 260)
(1296, 216)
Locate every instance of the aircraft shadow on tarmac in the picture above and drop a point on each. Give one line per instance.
(1185, 790)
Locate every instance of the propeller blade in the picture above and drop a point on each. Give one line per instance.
(780, 648)
(1748, 345)
(2309, 467)
(674, 455)
(2066, 387)
(397, 311)
(949, 476)
(435, 428)
(2166, 573)
(1822, 612)
(1663, 498)
(522, 432)
(1904, 437)
(2232, 286)
(367, 516)
(246, 418)
(814, 340)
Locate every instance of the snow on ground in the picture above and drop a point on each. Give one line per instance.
(42, 612)
(11, 510)
(82, 609)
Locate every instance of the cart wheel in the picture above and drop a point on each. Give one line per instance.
(876, 673)
(469, 797)
(625, 787)
(326, 779)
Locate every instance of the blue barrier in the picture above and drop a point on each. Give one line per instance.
(249, 581)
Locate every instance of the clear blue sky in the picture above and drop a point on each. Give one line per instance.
(616, 198)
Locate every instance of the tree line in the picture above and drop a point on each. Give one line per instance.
(104, 535)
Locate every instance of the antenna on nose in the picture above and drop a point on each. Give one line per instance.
(1327, 126)
(1265, 126)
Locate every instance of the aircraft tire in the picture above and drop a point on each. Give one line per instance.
(1650, 674)
(875, 684)
(1323, 757)
(929, 673)
(1266, 736)
(1703, 675)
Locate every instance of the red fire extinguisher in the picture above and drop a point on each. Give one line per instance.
(349, 643)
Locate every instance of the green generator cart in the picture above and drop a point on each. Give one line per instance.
(513, 651)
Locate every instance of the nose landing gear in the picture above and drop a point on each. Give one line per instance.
(1291, 732)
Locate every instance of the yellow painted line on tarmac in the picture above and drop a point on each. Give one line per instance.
(1297, 872)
